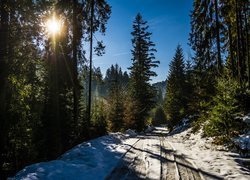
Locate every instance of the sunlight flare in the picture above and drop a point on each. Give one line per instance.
(53, 25)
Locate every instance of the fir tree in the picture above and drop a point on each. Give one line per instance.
(175, 99)
(143, 60)
(116, 100)
(221, 119)
(19, 83)
(191, 97)
(40, 94)
(219, 30)
(159, 116)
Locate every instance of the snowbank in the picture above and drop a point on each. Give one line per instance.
(242, 142)
(94, 159)
(149, 129)
(131, 132)
(246, 119)
(207, 156)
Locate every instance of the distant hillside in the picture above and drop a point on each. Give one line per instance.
(161, 89)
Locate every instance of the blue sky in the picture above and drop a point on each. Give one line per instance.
(168, 20)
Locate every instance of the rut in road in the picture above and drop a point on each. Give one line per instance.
(152, 157)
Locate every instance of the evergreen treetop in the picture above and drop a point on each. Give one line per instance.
(143, 60)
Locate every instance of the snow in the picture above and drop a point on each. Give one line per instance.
(149, 129)
(207, 156)
(94, 159)
(97, 158)
(242, 142)
(131, 132)
(246, 119)
(153, 165)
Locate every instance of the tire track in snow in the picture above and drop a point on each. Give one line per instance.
(132, 165)
(152, 157)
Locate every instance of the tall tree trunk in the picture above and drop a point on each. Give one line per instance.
(52, 107)
(219, 63)
(75, 71)
(4, 28)
(246, 16)
(232, 63)
(242, 42)
(90, 64)
(239, 58)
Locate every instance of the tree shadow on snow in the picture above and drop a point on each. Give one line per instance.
(178, 130)
(126, 167)
(244, 164)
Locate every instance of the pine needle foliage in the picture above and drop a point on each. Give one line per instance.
(141, 91)
(225, 109)
(176, 98)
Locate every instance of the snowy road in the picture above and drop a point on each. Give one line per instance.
(152, 157)
(156, 155)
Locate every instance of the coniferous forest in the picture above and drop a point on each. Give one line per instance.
(53, 98)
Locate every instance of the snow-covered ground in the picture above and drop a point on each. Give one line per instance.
(94, 159)
(97, 158)
(207, 156)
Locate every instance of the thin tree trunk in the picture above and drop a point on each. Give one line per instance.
(243, 44)
(232, 63)
(4, 28)
(219, 63)
(247, 41)
(239, 58)
(90, 64)
(75, 71)
(52, 113)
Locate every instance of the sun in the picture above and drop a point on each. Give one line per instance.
(53, 25)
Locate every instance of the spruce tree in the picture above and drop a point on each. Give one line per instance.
(40, 94)
(143, 60)
(219, 31)
(98, 121)
(221, 118)
(159, 117)
(202, 38)
(116, 100)
(176, 97)
(191, 98)
(19, 83)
